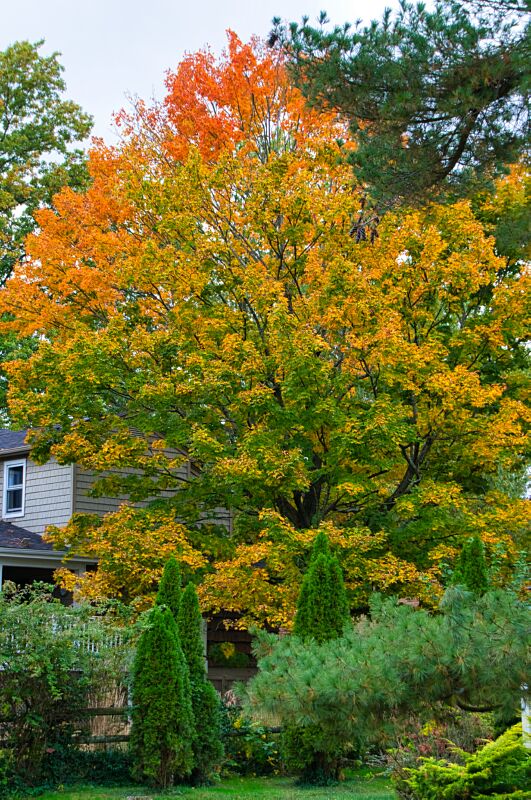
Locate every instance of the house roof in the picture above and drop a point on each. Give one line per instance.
(12, 441)
(14, 537)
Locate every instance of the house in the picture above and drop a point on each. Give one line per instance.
(33, 497)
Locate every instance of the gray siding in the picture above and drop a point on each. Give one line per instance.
(54, 492)
(84, 503)
(48, 496)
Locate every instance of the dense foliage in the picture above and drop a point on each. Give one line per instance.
(207, 297)
(322, 615)
(207, 747)
(436, 94)
(169, 594)
(322, 606)
(501, 769)
(39, 131)
(52, 657)
(472, 569)
(398, 663)
(163, 727)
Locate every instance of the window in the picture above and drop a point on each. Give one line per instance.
(14, 480)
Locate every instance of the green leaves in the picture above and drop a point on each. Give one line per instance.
(322, 607)
(163, 726)
(37, 132)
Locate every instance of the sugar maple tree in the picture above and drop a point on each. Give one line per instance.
(206, 296)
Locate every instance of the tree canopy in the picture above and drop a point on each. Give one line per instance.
(38, 133)
(207, 299)
(436, 96)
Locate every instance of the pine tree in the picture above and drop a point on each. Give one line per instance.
(207, 747)
(444, 125)
(163, 728)
(170, 592)
(472, 569)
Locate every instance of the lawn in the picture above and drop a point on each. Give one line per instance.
(362, 788)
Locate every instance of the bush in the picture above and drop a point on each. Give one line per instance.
(207, 747)
(445, 736)
(402, 662)
(322, 615)
(47, 672)
(500, 769)
(472, 569)
(163, 729)
(250, 748)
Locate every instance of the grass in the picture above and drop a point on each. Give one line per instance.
(359, 788)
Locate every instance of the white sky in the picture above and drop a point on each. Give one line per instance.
(114, 48)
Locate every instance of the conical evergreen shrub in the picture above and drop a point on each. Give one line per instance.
(322, 614)
(207, 747)
(322, 608)
(169, 593)
(163, 729)
(472, 570)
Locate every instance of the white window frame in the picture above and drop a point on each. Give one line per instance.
(20, 462)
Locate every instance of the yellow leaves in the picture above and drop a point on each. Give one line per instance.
(131, 546)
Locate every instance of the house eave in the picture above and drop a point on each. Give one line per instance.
(15, 451)
(54, 556)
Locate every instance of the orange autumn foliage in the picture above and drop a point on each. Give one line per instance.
(207, 296)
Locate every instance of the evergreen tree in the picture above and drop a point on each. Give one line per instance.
(472, 569)
(322, 608)
(322, 614)
(170, 592)
(435, 95)
(163, 729)
(207, 747)
(400, 666)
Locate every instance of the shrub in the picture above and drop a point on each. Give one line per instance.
(449, 732)
(207, 746)
(47, 672)
(163, 729)
(500, 769)
(322, 614)
(402, 662)
(169, 593)
(250, 748)
(472, 569)
(322, 607)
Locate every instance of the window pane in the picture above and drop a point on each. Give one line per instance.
(15, 476)
(14, 500)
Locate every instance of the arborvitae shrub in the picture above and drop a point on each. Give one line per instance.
(322, 608)
(208, 749)
(169, 593)
(322, 614)
(163, 730)
(472, 569)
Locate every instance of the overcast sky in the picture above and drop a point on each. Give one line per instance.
(114, 48)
